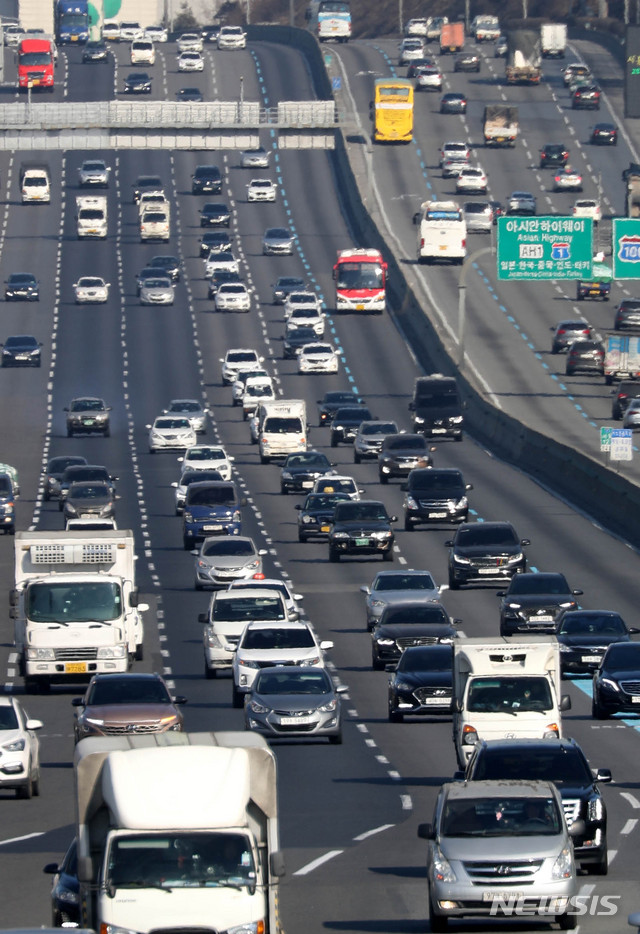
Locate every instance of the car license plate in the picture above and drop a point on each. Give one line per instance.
(635, 700)
(486, 570)
(362, 541)
(211, 528)
(507, 896)
(590, 658)
(500, 139)
(325, 528)
(295, 721)
(438, 431)
(359, 307)
(75, 668)
(88, 421)
(442, 246)
(545, 618)
(437, 515)
(307, 483)
(437, 701)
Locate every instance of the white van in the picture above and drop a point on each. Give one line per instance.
(442, 235)
(155, 223)
(282, 428)
(142, 52)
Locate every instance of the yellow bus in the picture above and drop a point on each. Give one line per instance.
(392, 111)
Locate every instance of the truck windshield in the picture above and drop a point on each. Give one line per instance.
(360, 276)
(498, 817)
(180, 860)
(73, 603)
(510, 695)
(35, 58)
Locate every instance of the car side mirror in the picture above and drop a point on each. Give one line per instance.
(326, 645)
(426, 832)
(203, 618)
(604, 775)
(501, 593)
(417, 217)
(577, 593)
(448, 543)
(565, 702)
(179, 700)
(525, 541)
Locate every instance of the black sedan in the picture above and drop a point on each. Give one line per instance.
(138, 82)
(21, 350)
(294, 339)
(215, 214)
(95, 52)
(453, 103)
(189, 96)
(346, 421)
(300, 471)
(65, 890)
(584, 637)
(604, 134)
(21, 287)
(361, 528)
(616, 683)
(485, 552)
(407, 624)
(215, 241)
(467, 61)
(400, 454)
(534, 601)
(55, 468)
(206, 179)
(331, 402)
(284, 286)
(422, 682)
(170, 265)
(315, 515)
(553, 155)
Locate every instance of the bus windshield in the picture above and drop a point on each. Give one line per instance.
(360, 276)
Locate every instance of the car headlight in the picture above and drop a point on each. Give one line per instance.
(248, 663)
(441, 868)
(286, 475)
(381, 536)
(564, 868)
(607, 682)
(418, 419)
(595, 808)
(307, 520)
(16, 746)
(384, 640)
(403, 686)
(340, 535)
(93, 721)
(112, 651)
(512, 606)
(515, 558)
(40, 655)
(188, 517)
(462, 503)
(255, 707)
(458, 559)
(69, 898)
(570, 605)
(565, 648)
(310, 662)
(212, 640)
(330, 707)
(411, 503)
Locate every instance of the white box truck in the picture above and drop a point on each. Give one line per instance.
(282, 428)
(505, 689)
(75, 605)
(500, 126)
(178, 831)
(621, 357)
(91, 216)
(553, 40)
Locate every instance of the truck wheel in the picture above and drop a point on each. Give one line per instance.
(567, 922)
(209, 673)
(139, 656)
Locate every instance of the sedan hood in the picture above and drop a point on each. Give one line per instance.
(130, 713)
(396, 631)
(433, 679)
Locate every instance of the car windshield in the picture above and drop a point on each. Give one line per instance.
(485, 535)
(538, 584)
(378, 428)
(404, 582)
(623, 657)
(180, 859)
(299, 638)
(127, 691)
(185, 407)
(324, 501)
(560, 764)
(361, 512)
(306, 460)
(211, 496)
(406, 443)
(60, 464)
(239, 609)
(227, 546)
(73, 603)
(87, 405)
(493, 817)
(283, 682)
(88, 282)
(509, 694)
(171, 423)
(78, 473)
(88, 491)
(437, 483)
(353, 415)
(426, 658)
(205, 454)
(408, 615)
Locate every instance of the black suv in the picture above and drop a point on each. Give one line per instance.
(627, 390)
(533, 603)
(361, 528)
(206, 180)
(435, 495)
(627, 315)
(400, 453)
(553, 155)
(301, 470)
(585, 635)
(407, 624)
(436, 407)
(485, 551)
(346, 421)
(563, 762)
(332, 401)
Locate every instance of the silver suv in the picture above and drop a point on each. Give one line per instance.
(500, 849)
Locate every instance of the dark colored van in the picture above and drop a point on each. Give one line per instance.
(437, 408)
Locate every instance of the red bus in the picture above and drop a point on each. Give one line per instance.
(35, 64)
(361, 280)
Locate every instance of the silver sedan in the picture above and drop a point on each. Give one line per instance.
(293, 701)
(390, 587)
(224, 559)
(158, 291)
(191, 409)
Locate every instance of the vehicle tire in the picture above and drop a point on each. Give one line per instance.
(383, 478)
(453, 584)
(139, 653)
(36, 786)
(106, 433)
(263, 459)
(237, 698)
(334, 443)
(284, 491)
(458, 438)
(336, 740)
(186, 544)
(395, 717)
(554, 350)
(302, 538)
(569, 371)
(608, 381)
(69, 433)
(388, 555)
(356, 458)
(408, 525)
(602, 867)
(197, 585)
(377, 664)
(334, 555)
(597, 711)
(209, 673)
(567, 922)
(26, 791)
(437, 923)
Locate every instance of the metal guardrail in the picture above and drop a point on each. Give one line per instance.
(34, 115)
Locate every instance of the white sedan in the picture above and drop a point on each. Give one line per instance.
(317, 358)
(19, 748)
(207, 457)
(91, 290)
(190, 42)
(254, 158)
(171, 432)
(428, 78)
(261, 189)
(190, 61)
(297, 300)
(218, 262)
(233, 296)
(472, 179)
(588, 207)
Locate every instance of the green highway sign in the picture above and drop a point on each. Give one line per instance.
(626, 248)
(545, 247)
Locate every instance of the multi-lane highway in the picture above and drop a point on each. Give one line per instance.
(348, 813)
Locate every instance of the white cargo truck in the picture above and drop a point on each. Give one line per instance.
(282, 428)
(621, 357)
(35, 183)
(505, 689)
(91, 216)
(485, 28)
(178, 831)
(75, 605)
(500, 126)
(553, 40)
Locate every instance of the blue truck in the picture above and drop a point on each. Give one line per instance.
(72, 21)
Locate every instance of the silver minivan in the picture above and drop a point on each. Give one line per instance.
(500, 849)
(478, 216)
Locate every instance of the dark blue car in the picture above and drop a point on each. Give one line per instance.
(211, 508)
(65, 899)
